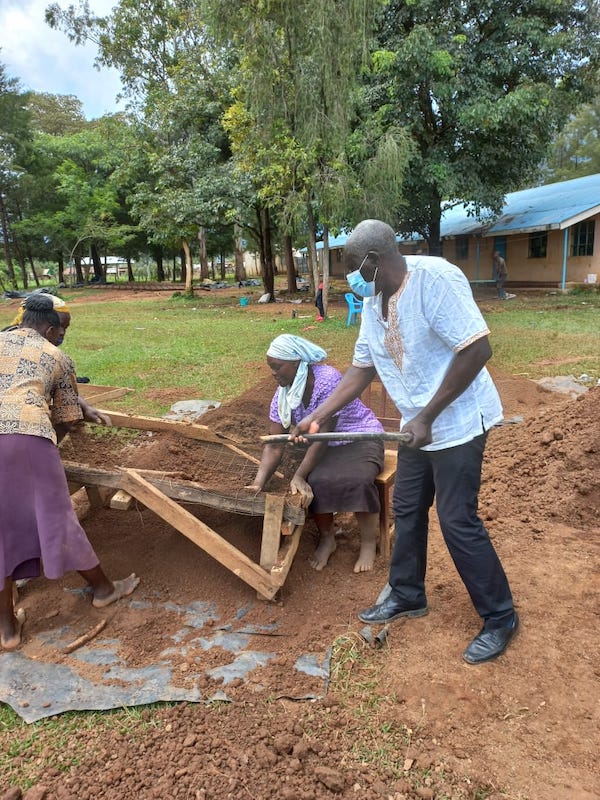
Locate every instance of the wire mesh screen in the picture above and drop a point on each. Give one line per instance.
(215, 473)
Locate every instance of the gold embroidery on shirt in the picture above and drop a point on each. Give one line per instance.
(392, 339)
(472, 339)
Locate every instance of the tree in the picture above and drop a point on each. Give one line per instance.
(15, 140)
(294, 105)
(576, 150)
(479, 88)
(55, 114)
(174, 77)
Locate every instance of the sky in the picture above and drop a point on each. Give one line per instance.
(44, 60)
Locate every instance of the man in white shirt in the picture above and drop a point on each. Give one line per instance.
(422, 332)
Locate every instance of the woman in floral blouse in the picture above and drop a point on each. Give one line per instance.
(38, 405)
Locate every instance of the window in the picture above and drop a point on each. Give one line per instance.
(582, 238)
(538, 242)
(462, 247)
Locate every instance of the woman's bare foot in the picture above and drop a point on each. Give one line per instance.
(369, 534)
(326, 548)
(366, 557)
(121, 589)
(13, 640)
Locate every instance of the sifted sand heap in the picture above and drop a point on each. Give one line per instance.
(550, 465)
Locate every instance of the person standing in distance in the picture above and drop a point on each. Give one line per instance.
(422, 332)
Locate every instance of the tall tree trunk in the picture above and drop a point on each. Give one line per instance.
(203, 255)
(240, 270)
(78, 271)
(160, 269)
(23, 268)
(313, 262)
(130, 275)
(97, 263)
(290, 267)
(182, 269)
(326, 268)
(188, 268)
(268, 269)
(60, 261)
(6, 239)
(32, 267)
(434, 239)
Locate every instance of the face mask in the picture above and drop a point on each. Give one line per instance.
(359, 285)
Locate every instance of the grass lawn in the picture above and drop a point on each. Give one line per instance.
(216, 348)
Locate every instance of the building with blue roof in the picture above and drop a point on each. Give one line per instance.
(546, 234)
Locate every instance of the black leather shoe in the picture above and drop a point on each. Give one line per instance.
(390, 609)
(488, 645)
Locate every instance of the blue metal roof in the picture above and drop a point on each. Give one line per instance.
(341, 239)
(556, 205)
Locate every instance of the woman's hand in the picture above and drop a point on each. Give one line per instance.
(299, 486)
(91, 414)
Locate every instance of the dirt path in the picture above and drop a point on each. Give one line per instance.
(410, 720)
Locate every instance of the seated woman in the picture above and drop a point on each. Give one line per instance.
(38, 405)
(334, 475)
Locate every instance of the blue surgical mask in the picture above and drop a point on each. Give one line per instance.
(359, 285)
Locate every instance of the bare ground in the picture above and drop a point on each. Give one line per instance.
(408, 721)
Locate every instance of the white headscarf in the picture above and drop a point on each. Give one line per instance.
(294, 348)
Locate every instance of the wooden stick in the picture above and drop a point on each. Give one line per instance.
(200, 533)
(185, 491)
(349, 436)
(85, 637)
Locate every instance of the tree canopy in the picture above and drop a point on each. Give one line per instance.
(278, 121)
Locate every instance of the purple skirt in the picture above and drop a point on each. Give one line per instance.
(37, 519)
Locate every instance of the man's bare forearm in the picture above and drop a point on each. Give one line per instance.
(354, 381)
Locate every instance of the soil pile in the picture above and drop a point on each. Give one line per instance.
(547, 467)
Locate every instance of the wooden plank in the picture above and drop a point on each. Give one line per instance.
(97, 495)
(94, 389)
(189, 429)
(121, 500)
(271, 534)
(81, 503)
(199, 533)
(281, 569)
(113, 394)
(185, 491)
(384, 482)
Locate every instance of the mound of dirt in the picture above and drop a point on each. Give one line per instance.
(548, 467)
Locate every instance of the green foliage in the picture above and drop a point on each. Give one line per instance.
(479, 89)
(576, 150)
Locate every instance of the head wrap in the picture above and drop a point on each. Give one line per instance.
(294, 348)
(59, 305)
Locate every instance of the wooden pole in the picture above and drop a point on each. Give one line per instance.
(340, 436)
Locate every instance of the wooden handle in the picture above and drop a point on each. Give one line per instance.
(340, 436)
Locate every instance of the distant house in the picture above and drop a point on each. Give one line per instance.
(546, 235)
(114, 265)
